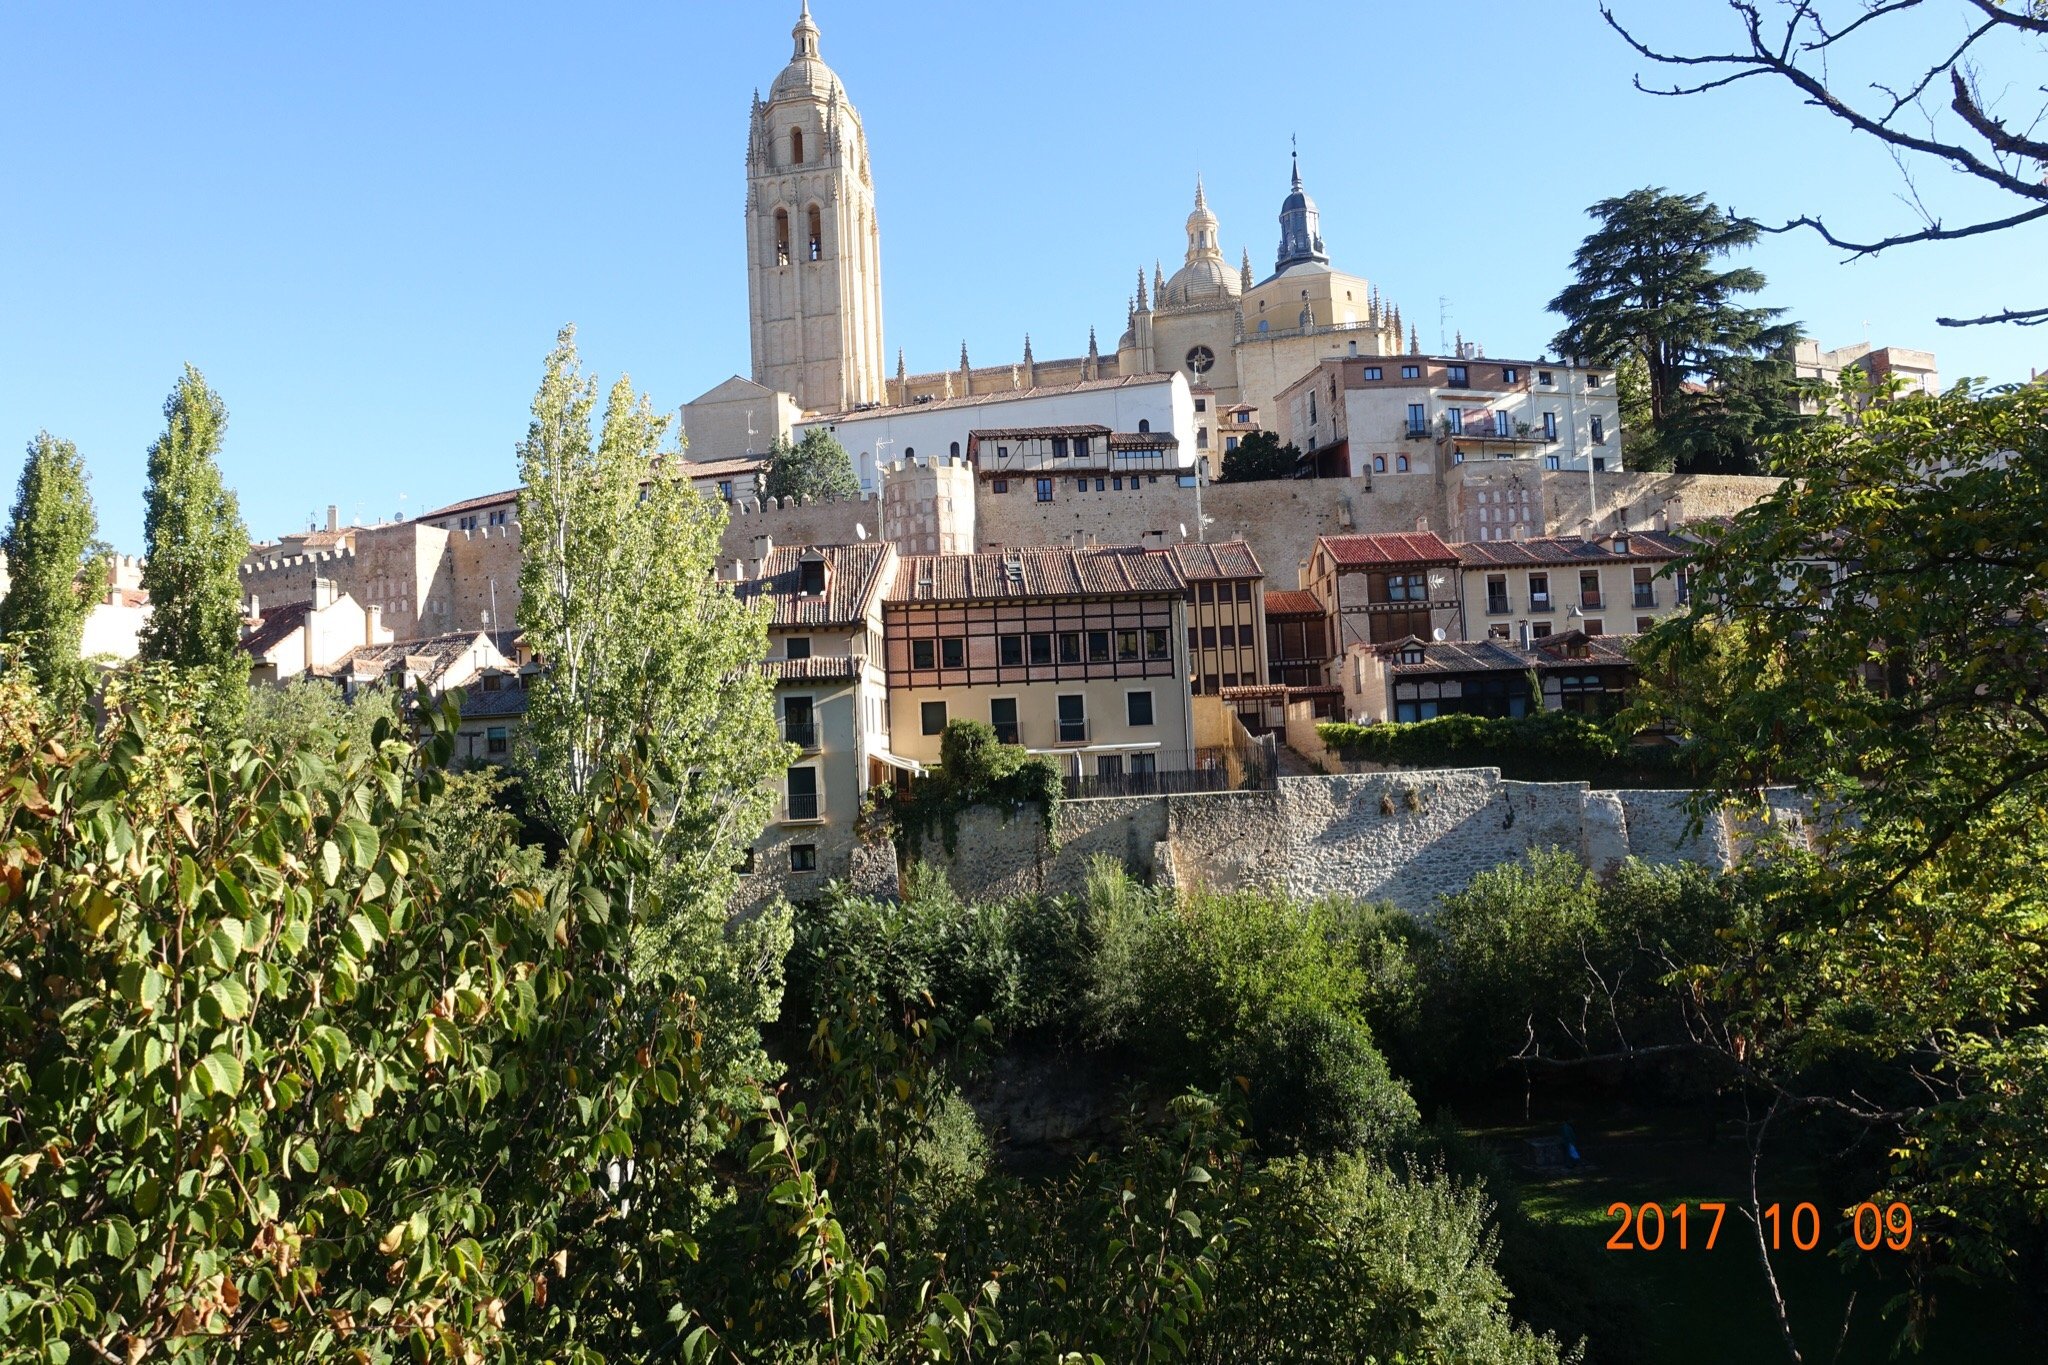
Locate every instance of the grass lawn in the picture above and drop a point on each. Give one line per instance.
(1712, 1306)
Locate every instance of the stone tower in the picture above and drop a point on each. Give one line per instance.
(814, 267)
(1301, 228)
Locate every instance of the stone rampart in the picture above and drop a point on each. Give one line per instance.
(1406, 837)
(798, 521)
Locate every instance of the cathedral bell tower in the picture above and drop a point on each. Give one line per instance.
(814, 267)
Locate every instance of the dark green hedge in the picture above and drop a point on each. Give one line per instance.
(1550, 746)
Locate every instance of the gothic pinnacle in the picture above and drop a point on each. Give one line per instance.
(1142, 305)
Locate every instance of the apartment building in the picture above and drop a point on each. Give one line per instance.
(1523, 590)
(825, 633)
(1377, 589)
(1415, 416)
(1078, 652)
(1415, 680)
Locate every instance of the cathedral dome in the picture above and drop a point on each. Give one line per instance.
(1205, 278)
(806, 76)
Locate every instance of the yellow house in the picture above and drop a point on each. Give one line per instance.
(1522, 590)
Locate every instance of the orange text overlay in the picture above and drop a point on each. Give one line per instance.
(1697, 1226)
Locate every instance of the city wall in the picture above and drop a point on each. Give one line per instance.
(1405, 837)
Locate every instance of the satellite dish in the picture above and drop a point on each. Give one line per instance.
(1183, 530)
(1437, 635)
(860, 531)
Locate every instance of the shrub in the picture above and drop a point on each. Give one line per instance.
(1548, 746)
(975, 768)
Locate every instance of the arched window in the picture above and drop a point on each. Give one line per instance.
(1379, 464)
(796, 146)
(782, 236)
(1144, 424)
(956, 450)
(1401, 464)
(1262, 324)
(910, 452)
(817, 226)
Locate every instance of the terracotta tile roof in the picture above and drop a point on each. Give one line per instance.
(1034, 433)
(1225, 559)
(853, 574)
(274, 627)
(984, 399)
(1418, 547)
(1142, 440)
(817, 668)
(1050, 571)
(1293, 602)
(429, 658)
(1256, 692)
(721, 469)
(1493, 656)
(471, 505)
(478, 704)
(1642, 545)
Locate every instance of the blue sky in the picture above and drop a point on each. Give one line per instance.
(365, 222)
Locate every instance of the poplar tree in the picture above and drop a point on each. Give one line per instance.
(640, 642)
(193, 538)
(54, 562)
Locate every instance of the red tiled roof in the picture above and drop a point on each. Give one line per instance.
(1225, 559)
(817, 668)
(471, 504)
(1141, 440)
(1255, 692)
(274, 627)
(1568, 550)
(1418, 547)
(852, 575)
(1051, 571)
(1293, 602)
(719, 469)
(987, 399)
(1494, 656)
(1034, 433)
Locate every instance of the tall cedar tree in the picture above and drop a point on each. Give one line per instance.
(53, 561)
(193, 537)
(815, 467)
(1719, 373)
(620, 599)
(1259, 456)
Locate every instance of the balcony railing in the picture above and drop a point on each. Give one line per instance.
(802, 733)
(1074, 732)
(1590, 601)
(1176, 770)
(1499, 606)
(1539, 601)
(801, 806)
(1646, 597)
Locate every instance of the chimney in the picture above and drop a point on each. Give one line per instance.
(1153, 540)
(323, 593)
(763, 546)
(1080, 540)
(1422, 526)
(255, 610)
(333, 517)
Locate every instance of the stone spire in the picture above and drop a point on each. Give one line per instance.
(1091, 368)
(1245, 270)
(1301, 235)
(1142, 305)
(902, 378)
(1027, 348)
(963, 353)
(1459, 346)
(806, 35)
(1414, 340)
(1030, 365)
(1158, 281)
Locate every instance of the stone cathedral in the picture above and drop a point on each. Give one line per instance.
(814, 287)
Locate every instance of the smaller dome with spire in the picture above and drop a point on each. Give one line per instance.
(1206, 278)
(806, 76)
(1301, 228)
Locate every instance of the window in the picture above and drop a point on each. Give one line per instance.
(953, 652)
(1126, 645)
(1539, 592)
(797, 647)
(1144, 765)
(1208, 637)
(1599, 464)
(1002, 718)
(1645, 587)
(1080, 485)
(1400, 464)
(725, 490)
(810, 577)
(924, 653)
(1510, 375)
(931, 717)
(796, 146)
(1418, 419)
(803, 792)
(1098, 646)
(1589, 588)
(1230, 637)
(1201, 438)
(1644, 624)
(1073, 719)
(1457, 457)
(956, 450)
(799, 722)
(1497, 603)
(1059, 449)
(1372, 372)
(1538, 629)
(1194, 638)
(1550, 426)
(1596, 627)
(782, 236)
(1407, 587)
(1599, 431)
(1138, 708)
(1500, 423)
(1116, 483)
(1002, 485)
(1379, 464)
(1411, 372)
(1543, 378)
(1592, 381)
(1070, 647)
(1243, 419)
(1081, 447)
(1010, 651)
(1156, 645)
(803, 857)
(1045, 490)
(1144, 424)
(1456, 418)
(497, 739)
(746, 867)
(1041, 649)
(1230, 443)
(1205, 592)
(1457, 377)
(817, 240)
(1201, 405)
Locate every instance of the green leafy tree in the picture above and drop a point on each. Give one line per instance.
(1872, 635)
(1259, 456)
(54, 567)
(641, 643)
(816, 466)
(1718, 372)
(193, 537)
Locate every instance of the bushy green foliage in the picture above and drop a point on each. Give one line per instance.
(194, 541)
(54, 568)
(1348, 1260)
(309, 712)
(816, 466)
(1258, 457)
(1545, 746)
(977, 769)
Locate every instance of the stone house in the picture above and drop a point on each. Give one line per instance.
(1523, 590)
(293, 639)
(1078, 652)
